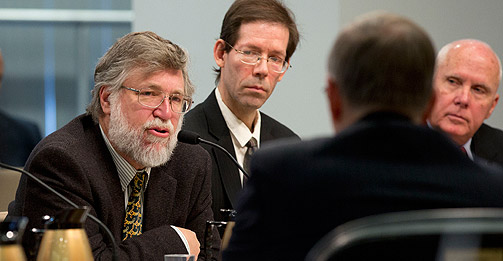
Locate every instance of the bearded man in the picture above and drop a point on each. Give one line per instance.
(122, 159)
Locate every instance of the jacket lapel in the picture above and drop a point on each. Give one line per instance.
(265, 129)
(217, 128)
(159, 200)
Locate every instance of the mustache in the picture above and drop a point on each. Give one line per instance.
(158, 123)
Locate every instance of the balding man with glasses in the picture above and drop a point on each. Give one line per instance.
(256, 42)
(122, 158)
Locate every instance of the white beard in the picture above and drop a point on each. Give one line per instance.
(140, 146)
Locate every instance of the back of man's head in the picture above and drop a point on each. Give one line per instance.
(383, 61)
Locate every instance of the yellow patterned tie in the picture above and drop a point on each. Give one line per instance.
(133, 219)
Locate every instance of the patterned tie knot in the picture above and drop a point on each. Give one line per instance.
(251, 145)
(138, 180)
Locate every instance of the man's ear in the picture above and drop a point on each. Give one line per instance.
(283, 73)
(429, 108)
(104, 99)
(335, 100)
(218, 52)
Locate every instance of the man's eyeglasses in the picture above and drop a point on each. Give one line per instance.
(275, 63)
(153, 98)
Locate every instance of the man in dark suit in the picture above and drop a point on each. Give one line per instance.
(122, 158)
(256, 42)
(18, 137)
(487, 143)
(381, 160)
(466, 82)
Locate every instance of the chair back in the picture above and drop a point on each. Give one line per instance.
(434, 234)
(9, 181)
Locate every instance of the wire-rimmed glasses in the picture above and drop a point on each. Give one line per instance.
(275, 63)
(153, 98)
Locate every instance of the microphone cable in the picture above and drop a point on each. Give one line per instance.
(93, 218)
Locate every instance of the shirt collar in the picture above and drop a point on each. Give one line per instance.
(125, 170)
(238, 129)
(467, 148)
(466, 145)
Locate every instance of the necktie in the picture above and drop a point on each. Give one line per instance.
(463, 150)
(252, 147)
(133, 219)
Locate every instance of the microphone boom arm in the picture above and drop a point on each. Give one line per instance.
(95, 219)
(228, 154)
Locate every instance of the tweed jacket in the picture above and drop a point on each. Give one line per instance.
(76, 162)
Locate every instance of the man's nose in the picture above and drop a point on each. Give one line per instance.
(261, 69)
(164, 111)
(463, 97)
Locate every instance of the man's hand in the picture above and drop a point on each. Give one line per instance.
(192, 239)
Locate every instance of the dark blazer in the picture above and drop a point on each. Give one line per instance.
(298, 193)
(487, 143)
(206, 119)
(76, 162)
(17, 138)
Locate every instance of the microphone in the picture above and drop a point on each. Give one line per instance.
(71, 203)
(190, 137)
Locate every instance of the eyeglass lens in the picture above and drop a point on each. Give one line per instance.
(154, 98)
(276, 64)
(252, 58)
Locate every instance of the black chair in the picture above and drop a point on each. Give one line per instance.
(433, 234)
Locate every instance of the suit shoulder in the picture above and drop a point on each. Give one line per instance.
(488, 130)
(488, 135)
(193, 118)
(291, 148)
(276, 128)
(286, 155)
(190, 159)
(191, 152)
(20, 125)
(74, 136)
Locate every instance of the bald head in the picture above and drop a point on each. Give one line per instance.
(479, 51)
(466, 80)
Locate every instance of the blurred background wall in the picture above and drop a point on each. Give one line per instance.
(50, 56)
(50, 49)
(299, 100)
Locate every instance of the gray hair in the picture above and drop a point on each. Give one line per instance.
(138, 51)
(385, 61)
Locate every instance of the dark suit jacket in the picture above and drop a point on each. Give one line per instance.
(17, 139)
(76, 162)
(298, 193)
(487, 143)
(206, 119)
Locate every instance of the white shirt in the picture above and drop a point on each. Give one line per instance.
(240, 133)
(126, 173)
(467, 148)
